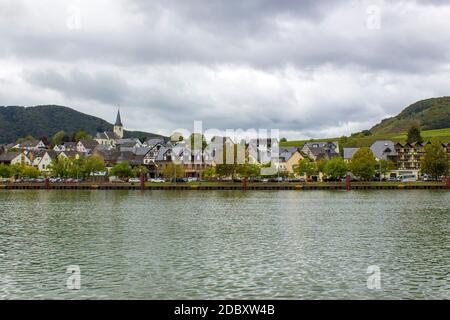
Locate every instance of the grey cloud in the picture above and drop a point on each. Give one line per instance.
(160, 59)
(242, 32)
(101, 86)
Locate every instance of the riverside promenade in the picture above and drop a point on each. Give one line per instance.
(230, 186)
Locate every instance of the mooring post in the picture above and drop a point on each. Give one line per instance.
(347, 183)
(244, 184)
(47, 184)
(448, 182)
(142, 177)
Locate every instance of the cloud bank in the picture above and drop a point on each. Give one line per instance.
(309, 68)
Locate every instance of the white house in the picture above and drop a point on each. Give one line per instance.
(43, 160)
(12, 158)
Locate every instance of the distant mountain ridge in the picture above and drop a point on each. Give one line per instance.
(46, 120)
(429, 114)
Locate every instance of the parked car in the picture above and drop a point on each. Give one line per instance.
(192, 179)
(134, 180)
(157, 180)
(407, 178)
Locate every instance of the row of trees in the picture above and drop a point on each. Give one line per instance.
(363, 164)
(18, 170)
(246, 170)
(78, 167)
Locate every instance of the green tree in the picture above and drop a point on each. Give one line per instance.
(226, 170)
(27, 138)
(363, 163)
(30, 172)
(336, 168)
(306, 167)
(321, 163)
(384, 166)
(121, 170)
(414, 134)
(209, 173)
(16, 170)
(283, 140)
(76, 169)
(61, 167)
(140, 169)
(92, 165)
(171, 170)
(435, 162)
(228, 166)
(80, 135)
(248, 170)
(57, 138)
(5, 171)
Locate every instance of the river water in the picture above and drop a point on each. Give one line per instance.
(225, 244)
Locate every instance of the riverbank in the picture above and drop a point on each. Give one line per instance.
(229, 186)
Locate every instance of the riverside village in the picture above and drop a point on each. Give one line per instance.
(109, 157)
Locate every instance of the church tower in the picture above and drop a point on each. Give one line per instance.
(118, 126)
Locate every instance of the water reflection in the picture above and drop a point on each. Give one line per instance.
(224, 244)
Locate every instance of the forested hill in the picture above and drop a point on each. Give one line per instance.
(46, 120)
(430, 114)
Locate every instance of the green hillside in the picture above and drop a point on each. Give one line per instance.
(433, 116)
(16, 122)
(366, 141)
(430, 114)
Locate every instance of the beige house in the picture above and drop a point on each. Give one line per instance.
(43, 160)
(289, 158)
(12, 158)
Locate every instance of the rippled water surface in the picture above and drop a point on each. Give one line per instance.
(224, 244)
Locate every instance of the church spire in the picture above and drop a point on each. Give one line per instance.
(118, 120)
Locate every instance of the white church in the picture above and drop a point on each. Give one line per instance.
(109, 138)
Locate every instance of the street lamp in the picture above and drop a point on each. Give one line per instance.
(77, 157)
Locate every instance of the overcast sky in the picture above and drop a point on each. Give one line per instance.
(309, 68)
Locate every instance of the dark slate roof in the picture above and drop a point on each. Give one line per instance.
(153, 142)
(118, 120)
(163, 151)
(89, 144)
(29, 143)
(107, 135)
(318, 144)
(383, 148)
(8, 156)
(41, 153)
(142, 151)
(286, 152)
(349, 152)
